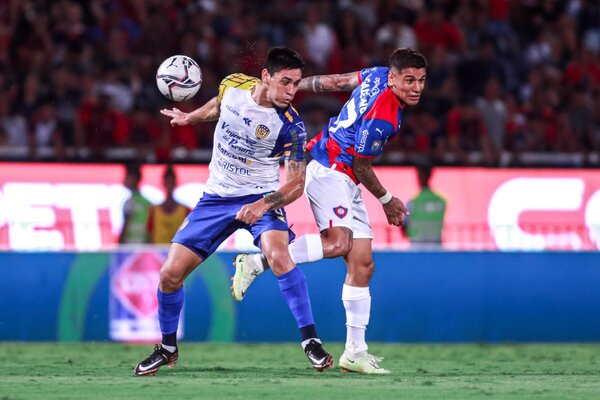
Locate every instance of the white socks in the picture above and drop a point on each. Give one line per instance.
(357, 302)
(307, 341)
(170, 349)
(306, 248)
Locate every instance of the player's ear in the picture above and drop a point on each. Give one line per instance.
(392, 78)
(265, 76)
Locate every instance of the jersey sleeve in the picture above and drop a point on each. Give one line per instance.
(240, 81)
(364, 73)
(371, 137)
(293, 148)
(292, 138)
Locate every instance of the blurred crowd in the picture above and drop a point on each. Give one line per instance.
(505, 77)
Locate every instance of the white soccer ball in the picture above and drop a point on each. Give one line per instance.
(179, 78)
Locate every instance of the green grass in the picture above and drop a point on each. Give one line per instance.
(280, 371)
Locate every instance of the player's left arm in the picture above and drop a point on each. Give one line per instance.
(394, 208)
(330, 83)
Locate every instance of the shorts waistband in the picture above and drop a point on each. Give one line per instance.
(346, 170)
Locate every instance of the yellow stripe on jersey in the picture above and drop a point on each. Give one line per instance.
(239, 80)
(287, 153)
(289, 116)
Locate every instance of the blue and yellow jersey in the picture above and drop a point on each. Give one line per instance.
(250, 140)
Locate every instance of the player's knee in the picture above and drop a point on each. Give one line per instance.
(170, 280)
(279, 260)
(366, 270)
(360, 272)
(337, 242)
(341, 247)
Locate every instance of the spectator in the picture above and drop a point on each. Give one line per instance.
(164, 219)
(492, 108)
(102, 125)
(320, 39)
(427, 209)
(71, 52)
(467, 133)
(135, 209)
(434, 29)
(397, 31)
(45, 132)
(14, 129)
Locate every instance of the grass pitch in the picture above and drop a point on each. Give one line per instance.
(281, 371)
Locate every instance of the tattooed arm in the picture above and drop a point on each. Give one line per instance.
(330, 83)
(210, 111)
(394, 209)
(295, 173)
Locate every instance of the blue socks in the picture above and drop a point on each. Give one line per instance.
(294, 290)
(292, 286)
(169, 308)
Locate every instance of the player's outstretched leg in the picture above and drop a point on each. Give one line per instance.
(159, 357)
(247, 268)
(306, 248)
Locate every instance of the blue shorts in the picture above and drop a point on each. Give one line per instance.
(213, 220)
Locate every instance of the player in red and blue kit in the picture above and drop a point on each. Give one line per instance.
(342, 156)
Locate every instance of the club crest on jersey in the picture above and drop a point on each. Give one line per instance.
(261, 132)
(340, 211)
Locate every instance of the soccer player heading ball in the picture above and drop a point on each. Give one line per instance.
(256, 127)
(342, 156)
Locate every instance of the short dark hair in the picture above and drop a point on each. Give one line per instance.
(134, 170)
(407, 58)
(424, 171)
(282, 58)
(169, 172)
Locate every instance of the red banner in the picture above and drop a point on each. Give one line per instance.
(79, 207)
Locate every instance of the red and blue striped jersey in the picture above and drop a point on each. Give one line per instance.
(368, 120)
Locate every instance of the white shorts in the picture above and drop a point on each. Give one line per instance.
(336, 201)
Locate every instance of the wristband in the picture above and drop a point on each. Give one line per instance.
(386, 198)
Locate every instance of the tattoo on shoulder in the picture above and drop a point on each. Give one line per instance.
(350, 81)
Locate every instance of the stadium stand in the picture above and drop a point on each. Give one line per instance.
(511, 83)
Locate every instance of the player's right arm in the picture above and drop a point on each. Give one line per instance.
(330, 83)
(208, 112)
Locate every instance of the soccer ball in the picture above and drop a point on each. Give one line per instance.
(178, 78)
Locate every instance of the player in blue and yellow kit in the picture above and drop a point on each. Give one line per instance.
(342, 156)
(256, 127)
